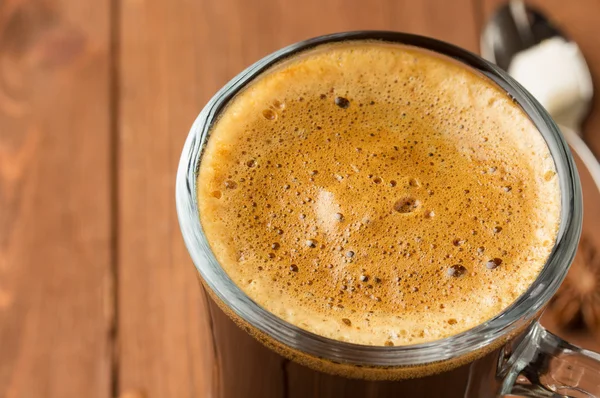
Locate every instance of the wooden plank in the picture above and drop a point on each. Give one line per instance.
(174, 56)
(55, 210)
(165, 76)
(580, 21)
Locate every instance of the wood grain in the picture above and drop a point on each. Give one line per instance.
(173, 57)
(165, 349)
(55, 212)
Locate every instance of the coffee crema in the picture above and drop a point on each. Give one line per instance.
(378, 194)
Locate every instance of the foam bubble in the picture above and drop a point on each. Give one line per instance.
(269, 114)
(407, 205)
(456, 270)
(342, 102)
(493, 263)
(230, 185)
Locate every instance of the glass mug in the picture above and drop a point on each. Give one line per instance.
(509, 355)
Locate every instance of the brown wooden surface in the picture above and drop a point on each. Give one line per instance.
(98, 297)
(55, 209)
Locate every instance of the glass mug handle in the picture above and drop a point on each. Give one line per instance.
(541, 364)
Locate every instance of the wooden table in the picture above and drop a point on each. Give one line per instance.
(98, 297)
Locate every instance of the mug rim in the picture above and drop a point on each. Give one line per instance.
(513, 318)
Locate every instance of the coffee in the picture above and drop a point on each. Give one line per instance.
(378, 194)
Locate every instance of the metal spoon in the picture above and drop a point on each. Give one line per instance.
(522, 41)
